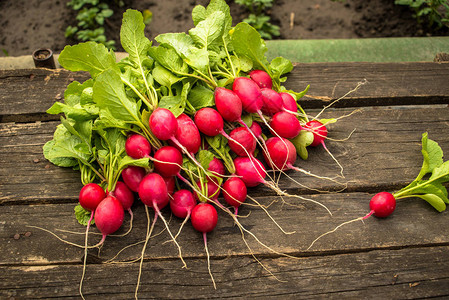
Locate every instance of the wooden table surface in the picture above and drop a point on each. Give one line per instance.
(403, 256)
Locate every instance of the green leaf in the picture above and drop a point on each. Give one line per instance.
(90, 56)
(434, 200)
(200, 13)
(280, 66)
(200, 97)
(247, 42)
(70, 147)
(440, 174)
(204, 157)
(50, 155)
(198, 59)
(173, 103)
(179, 41)
(109, 94)
(164, 77)
(432, 155)
(168, 58)
(129, 161)
(132, 36)
(243, 63)
(209, 31)
(301, 141)
(83, 215)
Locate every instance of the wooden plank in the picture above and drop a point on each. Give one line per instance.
(27, 94)
(383, 153)
(391, 274)
(413, 224)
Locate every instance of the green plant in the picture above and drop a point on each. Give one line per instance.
(432, 12)
(258, 19)
(91, 18)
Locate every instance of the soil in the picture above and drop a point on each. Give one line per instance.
(26, 25)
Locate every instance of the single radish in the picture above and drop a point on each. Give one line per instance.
(217, 167)
(285, 125)
(153, 191)
(256, 129)
(234, 192)
(272, 102)
(282, 153)
(91, 195)
(249, 93)
(109, 216)
(261, 78)
(170, 182)
(319, 132)
(132, 176)
(250, 170)
(167, 161)
(382, 204)
(228, 104)
(137, 146)
(209, 121)
(187, 134)
(123, 194)
(243, 142)
(163, 124)
(288, 102)
(182, 203)
(204, 219)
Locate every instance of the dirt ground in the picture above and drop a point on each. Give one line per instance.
(26, 25)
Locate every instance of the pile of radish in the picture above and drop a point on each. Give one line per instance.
(178, 125)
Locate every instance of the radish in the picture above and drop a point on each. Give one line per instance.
(234, 192)
(90, 196)
(217, 167)
(261, 78)
(109, 216)
(170, 182)
(249, 93)
(228, 104)
(187, 134)
(256, 129)
(319, 132)
(124, 195)
(204, 219)
(163, 124)
(167, 161)
(209, 121)
(288, 102)
(382, 204)
(250, 170)
(182, 203)
(243, 142)
(132, 176)
(137, 146)
(272, 102)
(282, 153)
(285, 125)
(153, 191)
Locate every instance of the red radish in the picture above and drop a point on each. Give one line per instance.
(187, 134)
(90, 196)
(319, 132)
(132, 176)
(288, 102)
(249, 93)
(153, 191)
(243, 142)
(272, 102)
(234, 192)
(204, 217)
(262, 79)
(250, 170)
(124, 195)
(109, 216)
(182, 203)
(228, 104)
(213, 190)
(217, 167)
(256, 129)
(285, 125)
(282, 153)
(137, 146)
(209, 121)
(382, 204)
(170, 182)
(167, 161)
(163, 124)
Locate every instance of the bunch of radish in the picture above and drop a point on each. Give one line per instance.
(189, 124)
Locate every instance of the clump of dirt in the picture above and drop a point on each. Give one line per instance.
(26, 25)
